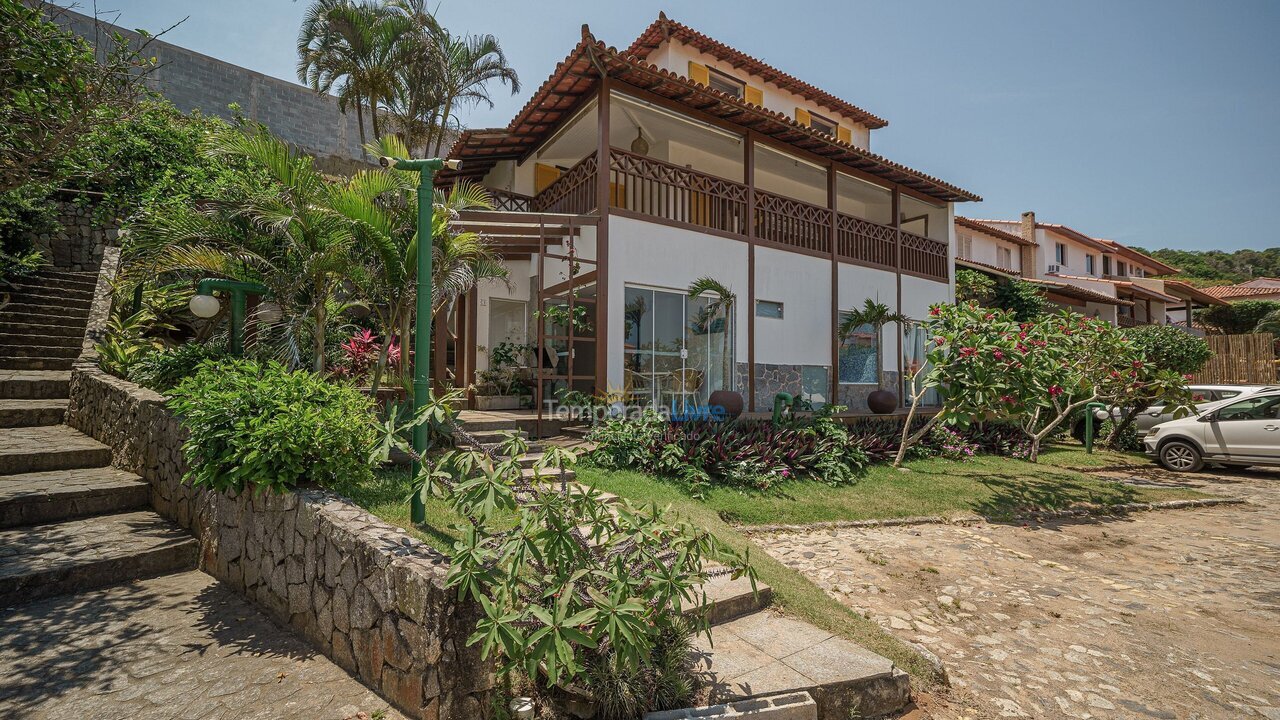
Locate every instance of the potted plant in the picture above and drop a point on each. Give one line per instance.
(874, 315)
(505, 385)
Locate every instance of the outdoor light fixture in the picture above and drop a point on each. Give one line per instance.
(204, 306)
(426, 170)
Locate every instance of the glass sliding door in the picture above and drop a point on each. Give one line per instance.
(676, 353)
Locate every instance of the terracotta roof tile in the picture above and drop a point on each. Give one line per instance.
(664, 28)
(981, 226)
(1078, 292)
(1225, 292)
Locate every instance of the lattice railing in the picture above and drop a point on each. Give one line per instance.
(792, 222)
(660, 189)
(507, 201)
(573, 193)
(865, 242)
(923, 256)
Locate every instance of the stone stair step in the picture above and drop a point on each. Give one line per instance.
(9, 362)
(729, 599)
(494, 437)
(547, 474)
(54, 447)
(52, 286)
(24, 308)
(34, 384)
(57, 495)
(51, 297)
(11, 317)
(41, 327)
(32, 413)
(17, 340)
(33, 350)
(768, 653)
(73, 277)
(55, 558)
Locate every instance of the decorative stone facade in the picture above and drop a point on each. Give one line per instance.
(359, 590)
(80, 243)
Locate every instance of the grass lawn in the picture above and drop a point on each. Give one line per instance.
(990, 486)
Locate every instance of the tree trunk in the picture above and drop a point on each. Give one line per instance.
(907, 441)
(1117, 429)
(373, 118)
(317, 337)
(360, 120)
(444, 124)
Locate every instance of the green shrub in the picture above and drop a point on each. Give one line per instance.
(1170, 348)
(261, 426)
(164, 369)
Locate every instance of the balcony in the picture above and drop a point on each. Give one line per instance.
(654, 189)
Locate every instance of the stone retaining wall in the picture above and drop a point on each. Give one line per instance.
(359, 590)
(81, 241)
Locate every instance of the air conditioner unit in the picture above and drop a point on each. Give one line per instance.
(1054, 269)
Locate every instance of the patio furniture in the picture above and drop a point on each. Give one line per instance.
(684, 384)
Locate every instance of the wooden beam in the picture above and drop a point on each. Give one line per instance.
(833, 392)
(602, 235)
(749, 177)
(897, 274)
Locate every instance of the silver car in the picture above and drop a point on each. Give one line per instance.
(1241, 431)
(1204, 395)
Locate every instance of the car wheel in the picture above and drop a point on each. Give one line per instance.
(1181, 456)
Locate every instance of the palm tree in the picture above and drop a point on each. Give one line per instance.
(353, 45)
(381, 206)
(721, 304)
(280, 232)
(876, 315)
(1270, 323)
(465, 66)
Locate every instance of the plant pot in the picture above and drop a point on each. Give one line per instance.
(498, 402)
(882, 402)
(729, 400)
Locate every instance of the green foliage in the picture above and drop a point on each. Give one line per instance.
(974, 286)
(1239, 318)
(22, 264)
(577, 582)
(742, 453)
(260, 426)
(164, 369)
(1218, 267)
(125, 343)
(663, 681)
(1170, 348)
(1021, 298)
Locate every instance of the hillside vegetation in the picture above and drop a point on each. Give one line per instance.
(1218, 267)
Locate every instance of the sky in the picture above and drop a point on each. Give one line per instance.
(1152, 122)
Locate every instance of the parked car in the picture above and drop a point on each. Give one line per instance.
(1202, 395)
(1241, 431)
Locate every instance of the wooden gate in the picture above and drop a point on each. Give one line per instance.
(1242, 359)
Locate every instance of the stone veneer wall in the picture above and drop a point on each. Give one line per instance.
(80, 244)
(854, 397)
(359, 590)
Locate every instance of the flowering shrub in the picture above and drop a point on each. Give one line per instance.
(754, 454)
(951, 444)
(360, 355)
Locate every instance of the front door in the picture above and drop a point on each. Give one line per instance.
(1248, 428)
(676, 352)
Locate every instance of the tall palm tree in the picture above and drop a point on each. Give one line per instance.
(466, 65)
(721, 304)
(875, 315)
(281, 232)
(351, 44)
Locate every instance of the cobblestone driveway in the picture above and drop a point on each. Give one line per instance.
(1167, 614)
(179, 646)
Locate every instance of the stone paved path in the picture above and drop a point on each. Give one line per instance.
(1172, 614)
(179, 646)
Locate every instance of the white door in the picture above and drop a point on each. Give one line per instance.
(1247, 428)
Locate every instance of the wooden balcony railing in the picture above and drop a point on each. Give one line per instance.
(684, 196)
(1127, 321)
(507, 201)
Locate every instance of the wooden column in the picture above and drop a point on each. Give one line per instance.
(473, 311)
(749, 178)
(833, 392)
(602, 237)
(897, 268)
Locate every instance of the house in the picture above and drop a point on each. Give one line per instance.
(1263, 288)
(632, 173)
(1092, 276)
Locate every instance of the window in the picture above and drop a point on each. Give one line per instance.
(1088, 264)
(1060, 253)
(1120, 268)
(915, 343)
(726, 83)
(822, 125)
(966, 247)
(1106, 265)
(1006, 258)
(1254, 408)
(858, 356)
(769, 309)
(1135, 271)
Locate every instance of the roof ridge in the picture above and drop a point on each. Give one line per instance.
(640, 48)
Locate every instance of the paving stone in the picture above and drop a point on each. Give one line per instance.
(179, 646)
(1155, 615)
(31, 384)
(32, 413)
(56, 495)
(53, 447)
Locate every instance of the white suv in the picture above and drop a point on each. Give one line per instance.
(1241, 431)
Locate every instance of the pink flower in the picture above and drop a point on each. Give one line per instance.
(1054, 390)
(1007, 399)
(1187, 377)
(938, 341)
(968, 352)
(1137, 364)
(998, 355)
(935, 311)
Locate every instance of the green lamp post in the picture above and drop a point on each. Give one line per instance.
(203, 304)
(426, 170)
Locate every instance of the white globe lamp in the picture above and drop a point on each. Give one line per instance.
(204, 306)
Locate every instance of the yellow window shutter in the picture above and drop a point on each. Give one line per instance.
(755, 96)
(802, 116)
(543, 176)
(698, 73)
(844, 134)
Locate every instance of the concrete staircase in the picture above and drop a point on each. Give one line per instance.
(492, 440)
(68, 520)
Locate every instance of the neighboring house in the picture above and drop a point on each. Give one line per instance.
(630, 174)
(1263, 288)
(1092, 276)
